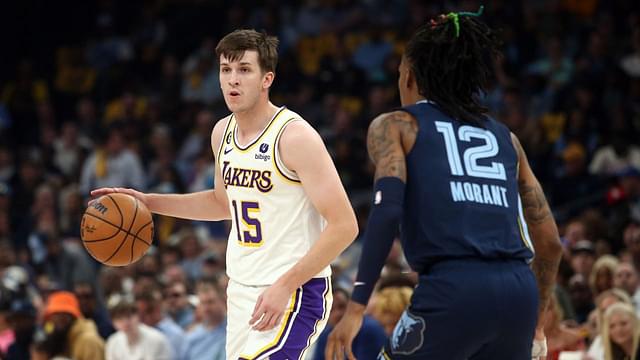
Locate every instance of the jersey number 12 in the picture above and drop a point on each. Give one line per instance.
(472, 154)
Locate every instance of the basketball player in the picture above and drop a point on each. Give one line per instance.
(460, 186)
(290, 214)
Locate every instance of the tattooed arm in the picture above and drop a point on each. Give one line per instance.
(542, 228)
(390, 138)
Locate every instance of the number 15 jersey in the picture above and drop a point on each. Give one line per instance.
(274, 223)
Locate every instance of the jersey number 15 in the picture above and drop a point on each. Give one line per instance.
(252, 223)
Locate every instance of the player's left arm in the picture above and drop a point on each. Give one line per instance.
(544, 233)
(391, 136)
(303, 151)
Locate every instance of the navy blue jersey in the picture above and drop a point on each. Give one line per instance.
(461, 197)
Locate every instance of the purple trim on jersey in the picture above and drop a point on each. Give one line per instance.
(312, 309)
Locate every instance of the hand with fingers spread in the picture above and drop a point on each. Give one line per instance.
(270, 307)
(142, 197)
(341, 338)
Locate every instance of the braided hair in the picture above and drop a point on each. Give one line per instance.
(451, 58)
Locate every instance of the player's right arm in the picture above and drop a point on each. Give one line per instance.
(543, 232)
(208, 205)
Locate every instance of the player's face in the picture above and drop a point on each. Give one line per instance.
(243, 82)
(621, 328)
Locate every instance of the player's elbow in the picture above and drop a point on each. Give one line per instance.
(555, 246)
(349, 228)
(352, 228)
(548, 245)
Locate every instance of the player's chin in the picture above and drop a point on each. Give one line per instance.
(233, 107)
(233, 104)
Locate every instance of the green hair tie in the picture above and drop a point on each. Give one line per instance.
(455, 16)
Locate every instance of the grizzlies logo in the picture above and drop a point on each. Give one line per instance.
(408, 335)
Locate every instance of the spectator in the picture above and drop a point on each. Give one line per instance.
(560, 336)
(22, 319)
(200, 75)
(197, 140)
(87, 119)
(619, 155)
(601, 277)
(112, 165)
(151, 313)
(388, 306)
(603, 302)
(63, 318)
(174, 274)
(626, 278)
(46, 349)
(191, 250)
(207, 339)
(67, 263)
(555, 67)
(575, 182)
(583, 257)
(92, 309)
(631, 62)
(366, 344)
(620, 332)
(178, 306)
(133, 340)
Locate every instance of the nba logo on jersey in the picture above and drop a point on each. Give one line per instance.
(264, 147)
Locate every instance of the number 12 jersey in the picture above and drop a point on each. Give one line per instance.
(461, 198)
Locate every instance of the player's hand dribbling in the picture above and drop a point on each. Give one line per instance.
(344, 332)
(142, 197)
(270, 307)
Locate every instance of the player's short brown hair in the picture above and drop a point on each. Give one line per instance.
(234, 44)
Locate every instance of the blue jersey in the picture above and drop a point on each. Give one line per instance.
(461, 197)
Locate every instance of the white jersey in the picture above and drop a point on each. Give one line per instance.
(274, 223)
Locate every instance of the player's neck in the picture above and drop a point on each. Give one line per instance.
(252, 121)
(413, 98)
(419, 98)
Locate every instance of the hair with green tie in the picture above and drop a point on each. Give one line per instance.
(452, 58)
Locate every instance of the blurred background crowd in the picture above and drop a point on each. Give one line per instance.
(125, 93)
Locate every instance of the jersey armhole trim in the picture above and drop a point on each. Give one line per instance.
(283, 171)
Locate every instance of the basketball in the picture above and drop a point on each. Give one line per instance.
(117, 229)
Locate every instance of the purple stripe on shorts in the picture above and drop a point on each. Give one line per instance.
(312, 310)
(286, 327)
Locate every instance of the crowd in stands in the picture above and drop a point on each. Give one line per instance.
(126, 94)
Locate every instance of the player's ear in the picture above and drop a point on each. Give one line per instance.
(410, 81)
(267, 80)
